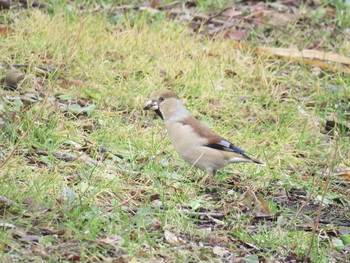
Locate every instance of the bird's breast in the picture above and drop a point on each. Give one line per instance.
(184, 137)
(191, 147)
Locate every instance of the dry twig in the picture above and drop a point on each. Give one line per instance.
(325, 189)
(304, 203)
(131, 197)
(27, 131)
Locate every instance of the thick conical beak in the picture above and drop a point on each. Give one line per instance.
(151, 105)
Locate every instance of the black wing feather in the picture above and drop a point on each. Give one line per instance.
(227, 146)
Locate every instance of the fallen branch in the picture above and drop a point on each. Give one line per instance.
(306, 53)
(314, 54)
(226, 24)
(216, 15)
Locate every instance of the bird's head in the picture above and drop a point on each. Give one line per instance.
(165, 103)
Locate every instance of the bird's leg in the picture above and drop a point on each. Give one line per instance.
(205, 178)
(213, 173)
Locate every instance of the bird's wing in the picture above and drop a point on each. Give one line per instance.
(225, 145)
(232, 152)
(215, 141)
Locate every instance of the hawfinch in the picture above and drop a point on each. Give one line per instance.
(194, 142)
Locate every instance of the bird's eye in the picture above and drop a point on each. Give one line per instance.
(161, 99)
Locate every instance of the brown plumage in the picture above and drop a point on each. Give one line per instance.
(194, 142)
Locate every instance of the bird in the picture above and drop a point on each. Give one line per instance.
(193, 141)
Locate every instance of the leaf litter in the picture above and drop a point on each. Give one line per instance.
(252, 204)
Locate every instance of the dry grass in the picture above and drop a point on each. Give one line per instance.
(274, 109)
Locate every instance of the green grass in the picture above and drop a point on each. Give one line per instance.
(119, 60)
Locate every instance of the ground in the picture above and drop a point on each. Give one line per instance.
(87, 175)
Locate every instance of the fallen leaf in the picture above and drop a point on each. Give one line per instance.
(179, 75)
(230, 73)
(4, 30)
(262, 208)
(114, 239)
(237, 35)
(171, 238)
(259, 206)
(307, 53)
(154, 197)
(73, 257)
(344, 175)
(215, 102)
(12, 79)
(220, 251)
(190, 3)
(300, 56)
(216, 238)
(212, 55)
(287, 147)
(330, 12)
(281, 19)
(154, 3)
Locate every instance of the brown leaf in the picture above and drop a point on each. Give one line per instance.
(215, 102)
(258, 204)
(237, 35)
(344, 175)
(171, 238)
(281, 19)
(154, 197)
(230, 73)
(12, 79)
(212, 55)
(287, 147)
(179, 75)
(73, 257)
(114, 239)
(300, 56)
(216, 238)
(220, 251)
(262, 209)
(190, 3)
(330, 11)
(307, 53)
(4, 30)
(154, 3)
